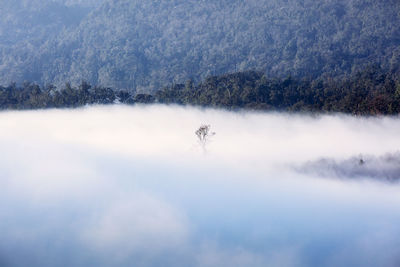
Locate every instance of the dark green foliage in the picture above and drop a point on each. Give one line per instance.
(370, 92)
(144, 98)
(31, 96)
(146, 44)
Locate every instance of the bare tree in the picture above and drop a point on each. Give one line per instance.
(204, 133)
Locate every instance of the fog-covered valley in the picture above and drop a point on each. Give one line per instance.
(139, 185)
(132, 186)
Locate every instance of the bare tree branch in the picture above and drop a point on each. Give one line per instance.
(204, 133)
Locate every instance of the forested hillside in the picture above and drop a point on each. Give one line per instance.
(144, 44)
(371, 92)
(27, 26)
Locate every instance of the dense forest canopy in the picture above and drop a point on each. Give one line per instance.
(144, 44)
(27, 26)
(371, 92)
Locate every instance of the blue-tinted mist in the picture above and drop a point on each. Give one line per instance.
(122, 186)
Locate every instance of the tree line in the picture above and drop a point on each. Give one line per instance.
(370, 92)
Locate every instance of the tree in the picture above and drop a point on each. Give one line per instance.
(204, 134)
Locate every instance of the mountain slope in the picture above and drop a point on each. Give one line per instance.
(26, 25)
(142, 44)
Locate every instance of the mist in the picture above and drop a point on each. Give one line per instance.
(132, 186)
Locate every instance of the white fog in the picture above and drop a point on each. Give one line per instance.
(131, 186)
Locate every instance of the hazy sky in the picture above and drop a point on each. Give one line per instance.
(131, 186)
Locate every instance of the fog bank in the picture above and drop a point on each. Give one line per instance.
(132, 186)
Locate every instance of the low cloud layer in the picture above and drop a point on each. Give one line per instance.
(384, 168)
(131, 186)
